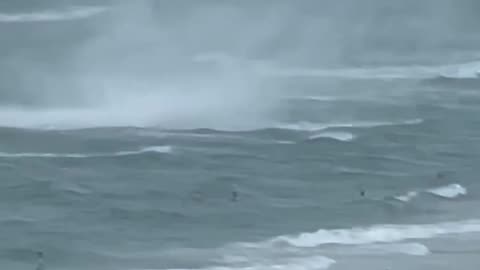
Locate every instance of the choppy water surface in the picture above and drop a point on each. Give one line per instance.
(222, 135)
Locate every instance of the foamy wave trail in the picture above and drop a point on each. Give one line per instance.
(460, 70)
(407, 197)
(52, 15)
(414, 249)
(309, 126)
(379, 234)
(305, 263)
(339, 136)
(151, 149)
(449, 191)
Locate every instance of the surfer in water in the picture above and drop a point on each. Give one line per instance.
(40, 263)
(441, 175)
(235, 194)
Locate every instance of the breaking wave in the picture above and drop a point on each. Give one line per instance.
(52, 15)
(379, 234)
(306, 263)
(449, 191)
(461, 70)
(309, 126)
(339, 136)
(151, 149)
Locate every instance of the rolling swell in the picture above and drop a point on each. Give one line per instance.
(151, 149)
(52, 15)
(380, 233)
(295, 135)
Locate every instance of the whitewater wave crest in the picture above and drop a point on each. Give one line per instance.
(379, 234)
(309, 126)
(414, 249)
(449, 191)
(150, 149)
(307, 263)
(339, 136)
(459, 70)
(52, 15)
(409, 248)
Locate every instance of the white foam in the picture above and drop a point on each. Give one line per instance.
(52, 15)
(284, 142)
(150, 149)
(414, 249)
(407, 197)
(339, 136)
(461, 70)
(154, 149)
(309, 126)
(449, 191)
(319, 98)
(379, 234)
(350, 97)
(303, 263)
(408, 248)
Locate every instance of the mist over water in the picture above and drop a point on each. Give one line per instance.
(195, 65)
(248, 135)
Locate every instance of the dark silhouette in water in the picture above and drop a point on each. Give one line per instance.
(362, 193)
(234, 196)
(441, 175)
(40, 264)
(453, 82)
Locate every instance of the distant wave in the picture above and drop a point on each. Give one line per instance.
(379, 234)
(338, 98)
(151, 149)
(460, 70)
(117, 116)
(52, 15)
(457, 82)
(414, 249)
(309, 126)
(317, 98)
(305, 263)
(407, 197)
(449, 191)
(339, 136)
(300, 251)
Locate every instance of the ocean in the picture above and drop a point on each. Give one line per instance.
(239, 135)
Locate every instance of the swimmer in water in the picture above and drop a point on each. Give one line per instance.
(362, 193)
(441, 175)
(40, 264)
(234, 196)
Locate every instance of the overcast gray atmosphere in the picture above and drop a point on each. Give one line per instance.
(239, 135)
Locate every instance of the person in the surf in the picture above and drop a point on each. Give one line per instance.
(40, 263)
(235, 194)
(363, 192)
(441, 175)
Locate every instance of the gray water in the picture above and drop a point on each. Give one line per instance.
(241, 135)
